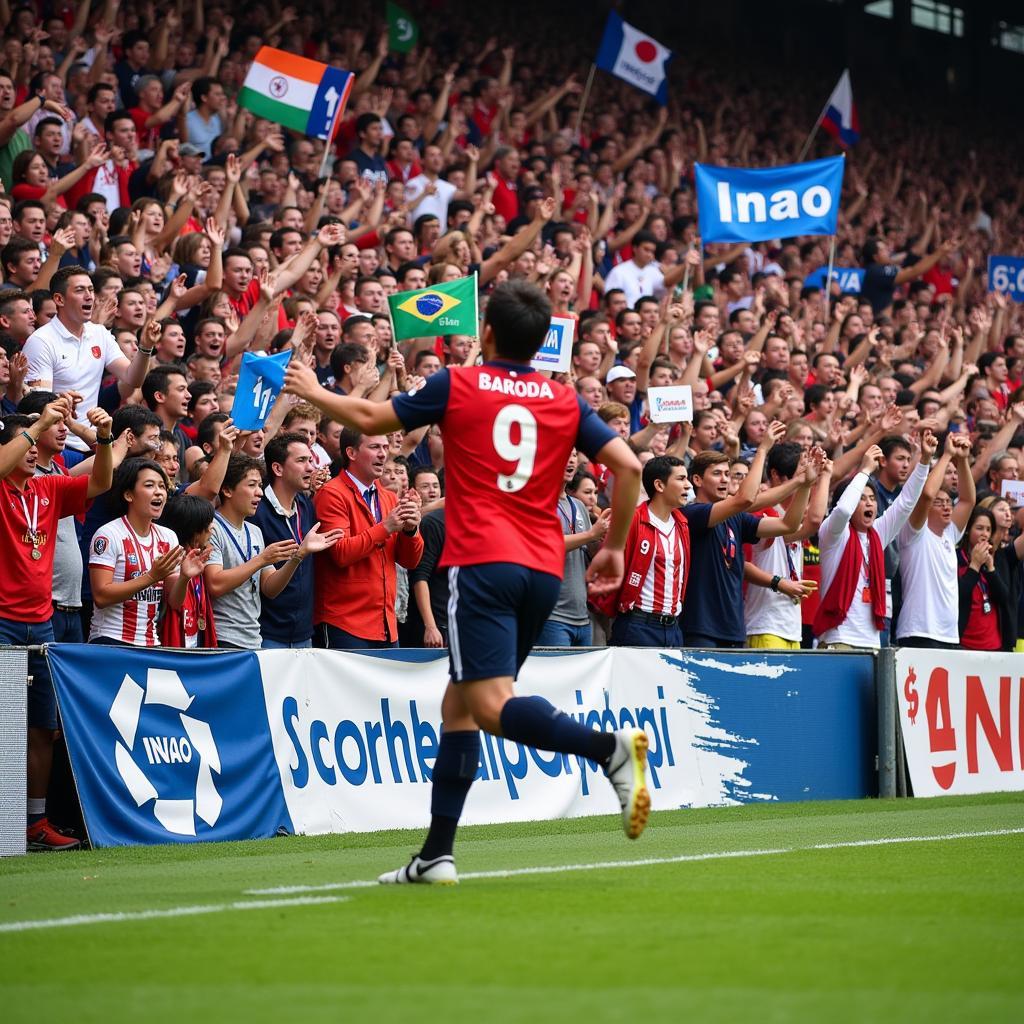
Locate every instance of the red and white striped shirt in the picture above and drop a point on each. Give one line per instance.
(117, 546)
(662, 586)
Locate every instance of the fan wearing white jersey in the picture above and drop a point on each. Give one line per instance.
(134, 564)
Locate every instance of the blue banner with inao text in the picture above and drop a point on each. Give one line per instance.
(167, 747)
(736, 204)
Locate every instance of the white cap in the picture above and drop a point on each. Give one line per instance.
(619, 373)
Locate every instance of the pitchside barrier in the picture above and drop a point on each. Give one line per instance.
(174, 746)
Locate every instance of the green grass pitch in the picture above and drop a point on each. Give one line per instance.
(898, 931)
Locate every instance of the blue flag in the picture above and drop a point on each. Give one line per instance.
(259, 383)
(850, 279)
(635, 57)
(737, 204)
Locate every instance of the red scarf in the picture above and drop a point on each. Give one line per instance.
(843, 592)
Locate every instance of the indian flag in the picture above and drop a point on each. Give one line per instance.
(295, 92)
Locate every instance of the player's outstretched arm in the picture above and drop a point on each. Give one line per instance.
(605, 571)
(362, 415)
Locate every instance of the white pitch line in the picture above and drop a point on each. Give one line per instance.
(147, 915)
(686, 858)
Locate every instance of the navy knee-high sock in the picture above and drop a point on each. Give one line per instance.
(458, 756)
(538, 723)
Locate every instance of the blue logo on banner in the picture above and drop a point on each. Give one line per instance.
(736, 204)
(850, 279)
(168, 747)
(260, 379)
(1006, 274)
(553, 342)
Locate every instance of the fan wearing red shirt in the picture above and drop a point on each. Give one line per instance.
(505, 177)
(507, 431)
(30, 509)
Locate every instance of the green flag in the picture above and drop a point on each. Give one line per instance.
(444, 309)
(403, 32)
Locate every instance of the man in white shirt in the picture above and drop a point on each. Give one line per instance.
(437, 204)
(773, 620)
(928, 566)
(71, 353)
(853, 606)
(641, 275)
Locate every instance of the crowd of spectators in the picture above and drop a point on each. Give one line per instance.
(841, 482)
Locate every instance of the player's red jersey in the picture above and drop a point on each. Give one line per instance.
(508, 431)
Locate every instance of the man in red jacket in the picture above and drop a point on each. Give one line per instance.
(657, 561)
(354, 593)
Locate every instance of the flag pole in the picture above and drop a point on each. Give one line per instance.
(330, 139)
(583, 100)
(814, 131)
(828, 278)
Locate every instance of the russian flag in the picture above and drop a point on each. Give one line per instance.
(840, 117)
(629, 54)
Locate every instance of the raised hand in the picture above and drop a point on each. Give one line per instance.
(315, 541)
(300, 380)
(100, 420)
(871, 460)
(195, 561)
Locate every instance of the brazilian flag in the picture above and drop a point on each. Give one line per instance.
(443, 309)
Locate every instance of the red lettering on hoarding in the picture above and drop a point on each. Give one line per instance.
(978, 711)
(941, 734)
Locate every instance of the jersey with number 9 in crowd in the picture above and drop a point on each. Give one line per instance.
(508, 431)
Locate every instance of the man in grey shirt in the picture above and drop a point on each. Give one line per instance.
(569, 623)
(241, 569)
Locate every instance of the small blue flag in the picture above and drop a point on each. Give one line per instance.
(260, 380)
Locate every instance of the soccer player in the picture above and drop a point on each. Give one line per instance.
(508, 432)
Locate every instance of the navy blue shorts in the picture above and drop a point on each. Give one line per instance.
(495, 614)
(42, 701)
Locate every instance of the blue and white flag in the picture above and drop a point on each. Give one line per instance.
(736, 204)
(840, 117)
(635, 57)
(849, 279)
(260, 380)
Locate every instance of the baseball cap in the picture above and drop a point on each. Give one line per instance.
(187, 149)
(533, 193)
(619, 373)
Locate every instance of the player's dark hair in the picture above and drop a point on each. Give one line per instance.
(659, 468)
(784, 458)
(519, 314)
